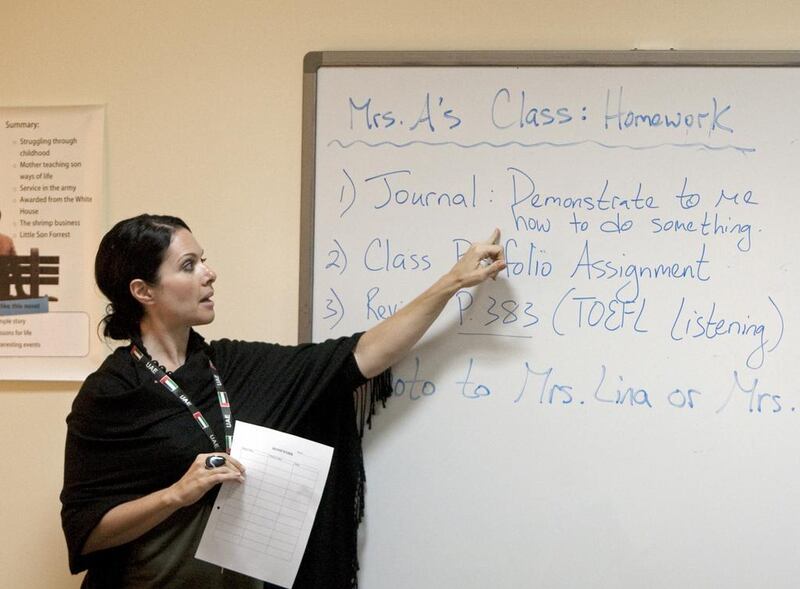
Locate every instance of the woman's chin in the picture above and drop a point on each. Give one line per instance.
(206, 318)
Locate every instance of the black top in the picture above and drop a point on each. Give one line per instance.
(127, 436)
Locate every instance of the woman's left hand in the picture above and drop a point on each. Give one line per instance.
(392, 338)
(483, 259)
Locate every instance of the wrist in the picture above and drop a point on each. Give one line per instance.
(449, 284)
(171, 498)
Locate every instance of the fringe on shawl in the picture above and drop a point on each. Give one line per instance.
(376, 390)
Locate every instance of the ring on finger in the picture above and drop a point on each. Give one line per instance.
(214, 461)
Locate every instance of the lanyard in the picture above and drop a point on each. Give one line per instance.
(173, 387)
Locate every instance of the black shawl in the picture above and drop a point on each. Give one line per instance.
(127, 436)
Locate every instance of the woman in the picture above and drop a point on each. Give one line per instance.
(139, 477)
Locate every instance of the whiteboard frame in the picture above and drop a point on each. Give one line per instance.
(315, 60)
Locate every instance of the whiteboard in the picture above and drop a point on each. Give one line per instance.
(620, 407)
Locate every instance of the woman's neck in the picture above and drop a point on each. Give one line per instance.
(167, 347)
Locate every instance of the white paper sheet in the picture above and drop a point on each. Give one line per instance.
(261, 528)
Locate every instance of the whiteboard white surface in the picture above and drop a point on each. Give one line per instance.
(620, 408)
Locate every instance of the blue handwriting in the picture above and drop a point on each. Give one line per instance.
(400, 196)
(621, 118)
(708, 325)
(380, 256)
(518, 113)
(377, 311)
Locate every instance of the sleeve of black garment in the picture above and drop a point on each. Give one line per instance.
(87, 493)
(275, 385)
(125, 439)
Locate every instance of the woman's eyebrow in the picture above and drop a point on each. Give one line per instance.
(189, 255)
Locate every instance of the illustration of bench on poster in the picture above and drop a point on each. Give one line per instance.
(21, 279)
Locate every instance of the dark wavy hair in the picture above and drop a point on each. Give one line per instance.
(133, 248)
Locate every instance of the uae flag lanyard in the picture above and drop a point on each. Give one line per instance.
(173, 387)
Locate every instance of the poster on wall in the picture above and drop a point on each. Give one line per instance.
(51, 203)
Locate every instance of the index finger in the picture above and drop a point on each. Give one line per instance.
(236, 463)
(489, 250)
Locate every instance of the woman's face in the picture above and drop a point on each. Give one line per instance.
(182, 296)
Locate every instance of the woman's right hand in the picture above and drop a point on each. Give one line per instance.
(199, 479)
(130, 520)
